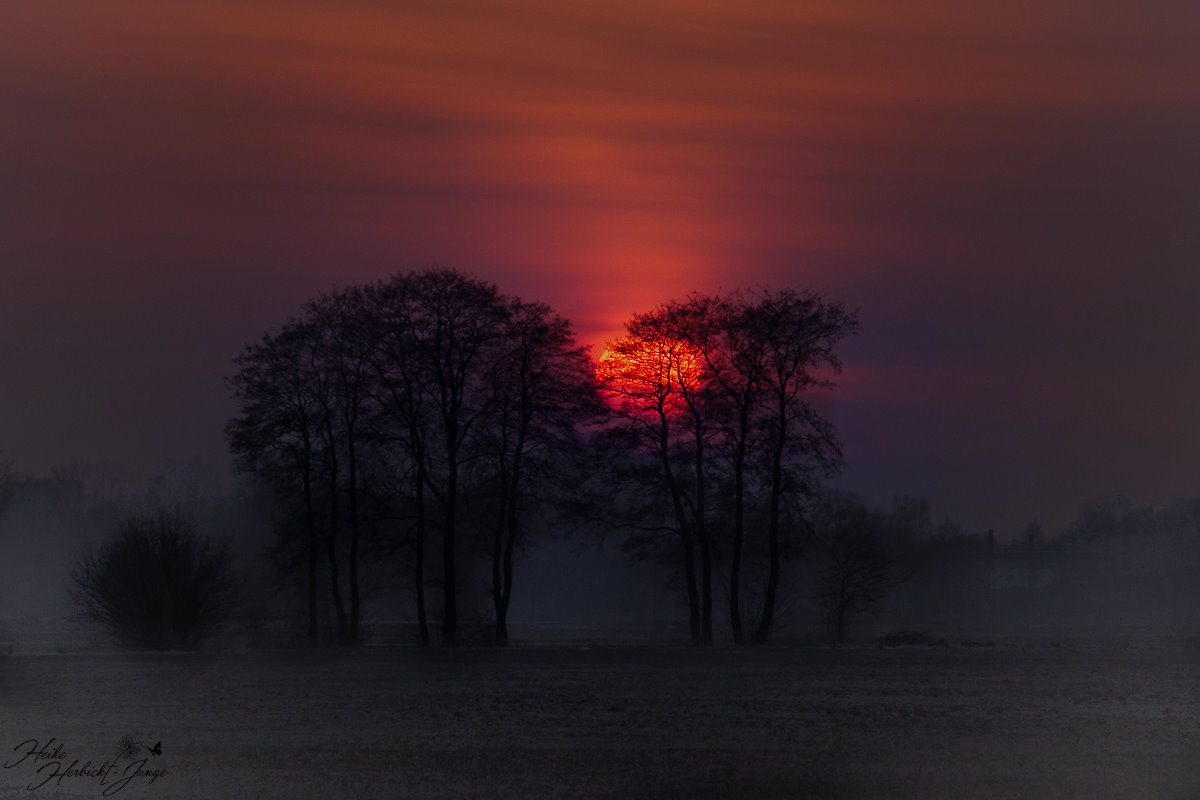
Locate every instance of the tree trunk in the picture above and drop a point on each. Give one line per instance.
(422, 617)
(739, 532)
(706, 632)
(513, 505)
(310, 514)
(352, 637)
(768, 613)
(449, 576)
(449, 572)
(685, 536)
(498, 585)
(506, 598)
(334, 577)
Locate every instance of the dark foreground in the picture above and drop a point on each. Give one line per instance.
(1096, 720)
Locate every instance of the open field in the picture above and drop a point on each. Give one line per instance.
(1089, 720)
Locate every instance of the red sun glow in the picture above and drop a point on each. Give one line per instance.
(648, 375)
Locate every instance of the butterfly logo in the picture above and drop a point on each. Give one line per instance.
(157, 749)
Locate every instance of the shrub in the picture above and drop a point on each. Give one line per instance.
(156, 584)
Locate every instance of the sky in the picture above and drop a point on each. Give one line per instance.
(1007, 192)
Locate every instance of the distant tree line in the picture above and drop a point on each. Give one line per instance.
(1117, 567)
(418, 417)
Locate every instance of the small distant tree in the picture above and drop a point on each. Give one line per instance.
(156, 583)
(855, 570)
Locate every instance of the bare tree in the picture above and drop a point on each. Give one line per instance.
(700, 413)
(719, 387)
(800, 332)
(302, 394)
(275, 435)
(855, 569)
(401, 387)
(543, 388)
(156, 584)
(423, 383)
(641, 375)
(344, 350)
(735, 365)
(457, 326)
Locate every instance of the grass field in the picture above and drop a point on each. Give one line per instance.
(1085, 720)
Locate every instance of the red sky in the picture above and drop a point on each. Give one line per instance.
(1007, 191)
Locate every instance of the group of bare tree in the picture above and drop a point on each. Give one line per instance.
(401, 395)
(396, 400)
(716, 394)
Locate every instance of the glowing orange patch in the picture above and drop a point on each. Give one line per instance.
(641, 375)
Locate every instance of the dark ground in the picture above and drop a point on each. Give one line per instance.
(1111, 719)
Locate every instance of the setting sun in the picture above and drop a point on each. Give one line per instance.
(648, 375)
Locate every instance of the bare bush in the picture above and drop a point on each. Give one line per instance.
(156, 583)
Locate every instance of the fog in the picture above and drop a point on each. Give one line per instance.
(1051, 666)
(1118, 570)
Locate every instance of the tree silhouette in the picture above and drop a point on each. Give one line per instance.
(543, 385)
(344, 348)
(646, 377)
(458, 323)
(722, 330)
(800, 332)
(276, 435)
(401, 391)
(855, 569)
(302, 393)
(452, 401)
(718, 388)
(156, 584)
(436, 387)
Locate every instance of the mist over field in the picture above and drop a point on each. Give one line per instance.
(1046, 668)
(1119, 570)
